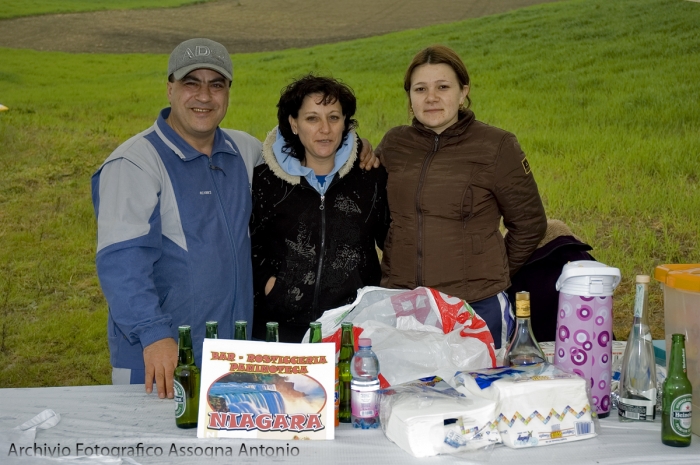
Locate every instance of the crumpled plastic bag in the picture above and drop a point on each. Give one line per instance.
(415, 333)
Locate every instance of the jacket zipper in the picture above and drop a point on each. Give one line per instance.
(212, 168)
(419, 213)
(317, 286)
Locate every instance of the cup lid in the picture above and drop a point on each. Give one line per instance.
(588, 278)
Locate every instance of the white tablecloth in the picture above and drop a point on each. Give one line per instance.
(124, 416)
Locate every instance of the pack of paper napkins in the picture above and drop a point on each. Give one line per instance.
(428, 417)
(537, 405)
(520, 407)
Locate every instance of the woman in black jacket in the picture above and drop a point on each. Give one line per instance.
(316, 215)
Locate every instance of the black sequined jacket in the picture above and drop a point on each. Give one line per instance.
(320, 249)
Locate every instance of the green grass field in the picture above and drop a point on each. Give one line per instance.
(602, 95)
(16, 8)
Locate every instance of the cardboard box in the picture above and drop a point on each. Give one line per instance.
(681, 285)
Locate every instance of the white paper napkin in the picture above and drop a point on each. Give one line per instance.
(26, 432)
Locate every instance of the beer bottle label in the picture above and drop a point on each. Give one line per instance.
(681, 414)
(180, 401)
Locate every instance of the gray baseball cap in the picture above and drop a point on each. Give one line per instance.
(197, 54)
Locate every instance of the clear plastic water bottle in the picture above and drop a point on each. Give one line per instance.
(364, 387)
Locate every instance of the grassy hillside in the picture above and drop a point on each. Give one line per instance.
(15, 8)
(602, 96)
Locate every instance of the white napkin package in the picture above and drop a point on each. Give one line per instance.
(427, 420)
(537, 405)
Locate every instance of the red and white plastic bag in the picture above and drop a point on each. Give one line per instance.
(415, 333)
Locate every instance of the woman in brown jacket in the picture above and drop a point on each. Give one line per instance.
(451, 181)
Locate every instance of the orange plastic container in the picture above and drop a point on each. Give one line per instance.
(681, 285)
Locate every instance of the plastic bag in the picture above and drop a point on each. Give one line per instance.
(415, 333)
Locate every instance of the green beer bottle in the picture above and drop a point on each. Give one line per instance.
(239, 332)
(676, 400)
(186, 382)
(315, 333)
(272, 334)
(212, 330)
(347, 350)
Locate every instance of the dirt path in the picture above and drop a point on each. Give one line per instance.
(241, 25)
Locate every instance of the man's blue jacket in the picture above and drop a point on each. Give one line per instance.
(172, 238)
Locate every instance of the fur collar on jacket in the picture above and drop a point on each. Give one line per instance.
(271, 161)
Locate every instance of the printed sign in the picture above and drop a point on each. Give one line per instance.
(267, 390)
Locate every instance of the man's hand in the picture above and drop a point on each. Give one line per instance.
(368, 159)
(160, 359)
(269, 285)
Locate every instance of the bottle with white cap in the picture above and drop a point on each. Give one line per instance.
(364, 386)
(583, 343)
(638, 373)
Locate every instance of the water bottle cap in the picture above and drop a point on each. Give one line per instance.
(365, 342)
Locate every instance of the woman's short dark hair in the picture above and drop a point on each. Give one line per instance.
(434, 55)
(292, 98)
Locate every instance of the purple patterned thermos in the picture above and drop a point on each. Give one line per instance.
(584, 326)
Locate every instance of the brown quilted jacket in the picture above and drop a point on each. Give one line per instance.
(447, 194)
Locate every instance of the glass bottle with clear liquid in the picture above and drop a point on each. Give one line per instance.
(637, 401)
(523, 348)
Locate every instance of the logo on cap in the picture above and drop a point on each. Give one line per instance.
(200, 51)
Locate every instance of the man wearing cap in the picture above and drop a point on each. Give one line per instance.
(172, 206)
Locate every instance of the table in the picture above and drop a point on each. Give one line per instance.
(124, 416)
